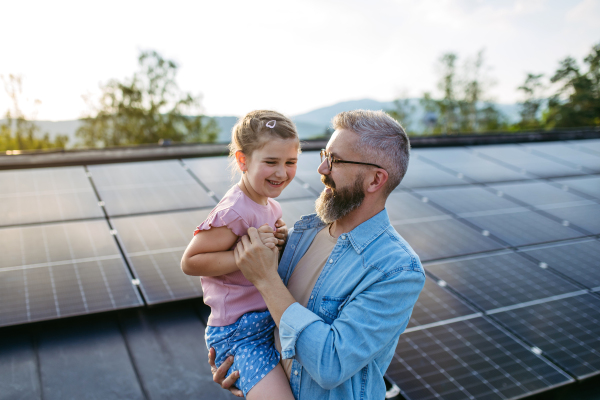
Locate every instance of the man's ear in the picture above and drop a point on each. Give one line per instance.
(241, 160)
(377, 181)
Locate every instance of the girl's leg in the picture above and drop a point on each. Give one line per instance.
(274, 386)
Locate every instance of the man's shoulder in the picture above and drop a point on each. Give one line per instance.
(390, 253)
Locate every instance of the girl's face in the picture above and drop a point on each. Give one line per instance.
(271, 168)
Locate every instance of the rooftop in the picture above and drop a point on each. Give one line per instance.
(93, 303)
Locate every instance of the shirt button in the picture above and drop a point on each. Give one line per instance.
(293, 246)
(330, 261)
(295, 372)
(343, 237)
(311, 297)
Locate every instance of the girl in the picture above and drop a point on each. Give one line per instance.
(265, 148)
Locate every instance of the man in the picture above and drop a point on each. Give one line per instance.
(352, 281)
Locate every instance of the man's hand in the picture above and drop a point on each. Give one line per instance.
(257, 262)
(219, 373)
(267, 236)
(281, 233)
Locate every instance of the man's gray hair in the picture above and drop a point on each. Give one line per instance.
(382, 141)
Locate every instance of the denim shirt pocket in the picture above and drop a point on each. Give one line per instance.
(331, 307)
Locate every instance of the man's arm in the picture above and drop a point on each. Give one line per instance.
(258, 263)
(332, 353)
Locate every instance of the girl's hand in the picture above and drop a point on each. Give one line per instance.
(281, 234)
(266, 235)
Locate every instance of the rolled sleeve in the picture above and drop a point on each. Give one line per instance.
(293, 321)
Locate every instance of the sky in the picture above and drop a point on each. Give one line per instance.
(291, 56)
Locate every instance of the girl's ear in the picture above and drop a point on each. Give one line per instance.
(241, 160)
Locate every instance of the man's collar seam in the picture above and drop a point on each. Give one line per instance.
(359, 248)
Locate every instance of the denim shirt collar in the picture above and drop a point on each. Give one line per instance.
(361, 236)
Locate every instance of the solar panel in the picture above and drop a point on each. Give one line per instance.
(471, 359)
(588, 145)
(58, 270)
(589, 185)
(518, 157)
(436, 304)
(46, 195)
(216, 175)
(586, 216)
(404, 207)
(565, 330)
(444, 238)
(144, 187)
(500, 280)
(422, 174)
(293, 210)
(154, 244)
(577, 260)
(538, 193)
(568, 155)
(520, 228)
(308, 163)
(467, 199)
(462, 161)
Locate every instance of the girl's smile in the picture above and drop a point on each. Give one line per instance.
(269, 170)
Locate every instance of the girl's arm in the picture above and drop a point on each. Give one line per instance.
(208, 253)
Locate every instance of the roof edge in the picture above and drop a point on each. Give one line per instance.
(59, 158)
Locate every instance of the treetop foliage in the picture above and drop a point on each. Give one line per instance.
(465, 106)
(146, 108)
(18, 132)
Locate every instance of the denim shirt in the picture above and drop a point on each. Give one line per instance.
(344, 340)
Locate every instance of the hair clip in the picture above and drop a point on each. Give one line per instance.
(271, 123)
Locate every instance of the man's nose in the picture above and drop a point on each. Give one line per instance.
(323, 168)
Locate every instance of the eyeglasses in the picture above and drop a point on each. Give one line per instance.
(330, 161)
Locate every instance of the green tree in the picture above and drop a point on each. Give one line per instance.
(448, 106)
(577, 101)
(402, 112)
(532, 90)
(18, 132)
(465, 105)
(146, 108)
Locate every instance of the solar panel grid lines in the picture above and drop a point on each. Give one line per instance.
(469, 359)
(57, 270)
(500, 280)
(208, 191)
(153, 246)
(576, 261)
(588, 185)
(469, 166)
(554, 203)
(517, 158)
(456, 220)
(591, 146)
(566, 155)
(422, 174)
(144, 187)
(215, 174)
(46, 195)
(436, 305)
(565, 330)
(498, 214)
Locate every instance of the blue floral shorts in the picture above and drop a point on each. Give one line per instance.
(250, 341)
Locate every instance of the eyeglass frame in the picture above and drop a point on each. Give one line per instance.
(325, 155)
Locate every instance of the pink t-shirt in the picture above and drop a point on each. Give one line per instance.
(230, 296)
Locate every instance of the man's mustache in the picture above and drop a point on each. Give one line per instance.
(327, 181)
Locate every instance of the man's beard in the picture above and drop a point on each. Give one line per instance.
(337, 203)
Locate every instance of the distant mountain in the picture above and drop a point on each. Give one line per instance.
(311, 124)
